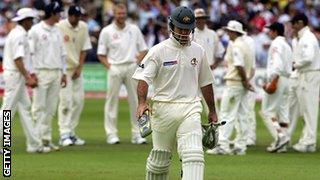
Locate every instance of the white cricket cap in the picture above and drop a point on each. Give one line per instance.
(235, 26)
(24, 13)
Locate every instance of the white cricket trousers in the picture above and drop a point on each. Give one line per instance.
(234, 107)
(308, 97)
(118, 75)
(70, 104)
(276, 106)
(179, 124)
(294, 107)
(16, 96)
(45, 100)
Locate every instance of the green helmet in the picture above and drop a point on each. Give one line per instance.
(183, 18)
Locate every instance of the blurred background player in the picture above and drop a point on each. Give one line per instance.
(210, 42)
(275, 104)
(121, 47)
(307, 64)
(77, 42)
(234, 103)
(16, 77)
(48, 59)
(177, 68)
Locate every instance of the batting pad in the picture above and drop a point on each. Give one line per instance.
(158, 164)
(191, 153)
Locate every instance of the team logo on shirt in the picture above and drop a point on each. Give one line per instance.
(194, 62)
(44, 37)
(66, 38)
(115, 36)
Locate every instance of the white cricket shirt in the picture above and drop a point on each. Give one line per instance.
(121, 45)
(176, 72)
(76, 39)
(46, 46)
(16, 46)
(279, 58)
(210, 42)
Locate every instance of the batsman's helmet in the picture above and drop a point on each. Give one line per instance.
(183, 18)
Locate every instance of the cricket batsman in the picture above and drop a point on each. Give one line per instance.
(177, 68)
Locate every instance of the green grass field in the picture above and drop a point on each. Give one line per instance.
(97, 160)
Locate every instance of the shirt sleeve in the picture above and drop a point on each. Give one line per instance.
(141, 44)
(87, 44)
(205, 74)
(19, 46)
(32, 40)
(237, 56)
(148, 68)
(102, 43)
(276, 59)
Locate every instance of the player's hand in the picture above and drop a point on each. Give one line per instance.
(142, 108)
(108, 65)
(269, 88)
(32, 81)
(247, 86)
(212, 117)
(63, 82)
(77, 73)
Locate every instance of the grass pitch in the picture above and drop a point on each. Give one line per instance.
(97, 160)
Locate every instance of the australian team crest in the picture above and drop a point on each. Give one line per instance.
(194, 62)
(186, 19)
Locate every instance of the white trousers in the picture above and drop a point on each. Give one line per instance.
(276, 106)
(179, 124)
(294, 107)
(118, 75)
(70, 104)
(234, 107)
(16, 96)
(308, 97)
(45, 100)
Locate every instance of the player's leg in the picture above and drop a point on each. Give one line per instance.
(294, 107)
(12, 89)
(39, 102)
(251, 140)
(78, 102)
(34, 143)
(65, 111)
(190, 148)
(309, 98)
(131, 86)
(111, 105)
(51, 107)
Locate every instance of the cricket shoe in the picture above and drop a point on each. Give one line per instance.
(42, 149)
(76, 140)
(282, 140)
(304, 148)
(138, 140)
(113, 139)
(250, 142)
(48, 144)
(218, 151)
(66, 141)
(282, 150)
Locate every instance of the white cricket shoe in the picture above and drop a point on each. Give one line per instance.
(304, 148)
(138, 140)
(238, 151)
(219, 151)
(250, 142)
(282, 141)
(42, 149)
(67, 141)
(76, 140)
(113, 139)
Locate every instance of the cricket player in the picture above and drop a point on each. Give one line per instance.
(210, 42)
(49, 68)
(178, 69)
(17, 78)
(275, 104)
(234, 103)
(307, 64)
(121, 47)
(77, 42)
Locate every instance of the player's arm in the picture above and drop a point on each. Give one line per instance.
(219, 52)
(102, 50)
(20, 65)
(141, 55)
(208, 94)
(141, 46)
(307, 54)
(142, 91)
